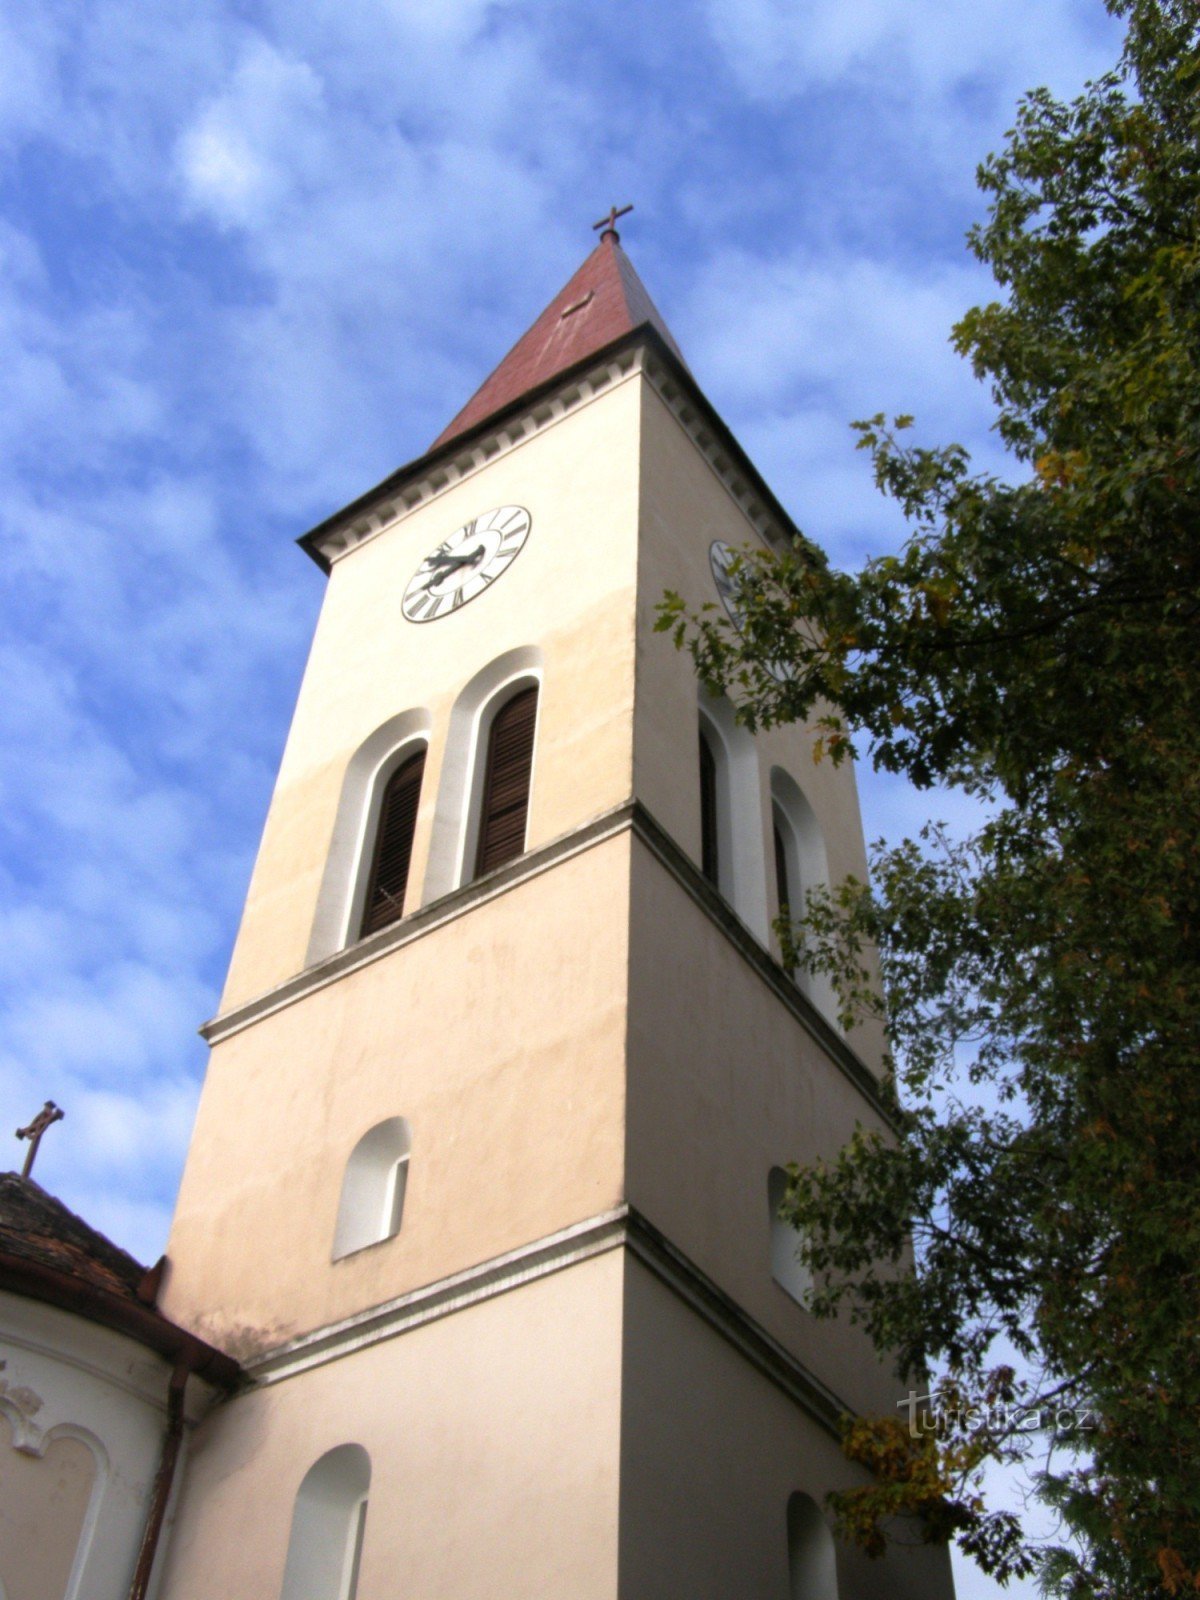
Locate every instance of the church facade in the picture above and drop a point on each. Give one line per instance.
(482, 1189)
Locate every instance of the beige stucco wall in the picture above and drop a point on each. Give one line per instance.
(710, 1452)
(499, 1035)
(569, 592)
(493, 1436)
(723, 1085)
(684, 508)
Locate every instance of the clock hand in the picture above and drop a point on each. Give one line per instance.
(446, 564)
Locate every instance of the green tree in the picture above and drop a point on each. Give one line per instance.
(1035, 644)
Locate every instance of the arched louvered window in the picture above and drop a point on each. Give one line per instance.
(505, 805)
(393, 845)
(781, 873)
(709, 862)
(798, 838)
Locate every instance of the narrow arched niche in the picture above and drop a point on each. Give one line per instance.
(812, 1558)
(740, 863)
(806, 867)
(789, 1272)
(328, 1524)
(371, 1206)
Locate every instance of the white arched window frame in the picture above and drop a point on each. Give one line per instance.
(460, 791)
(371, 1205)
(328, 1523)
(789, 1272)
(741, 865)
(812, 1556)
(341, 898)
(93, 1554)
(807, 868)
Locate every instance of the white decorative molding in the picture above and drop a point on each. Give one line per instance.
(674, 387)
(619, 1229)
(367, 522)
(67, 1377)
(419, 923)
(99, 1355)
(580, 1242)
(697, 418)
(629, 816)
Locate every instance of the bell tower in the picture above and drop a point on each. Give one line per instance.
(481, 1192)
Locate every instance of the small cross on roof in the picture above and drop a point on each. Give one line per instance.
(48, 1114)
(609, 223)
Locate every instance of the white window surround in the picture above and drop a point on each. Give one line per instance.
(348, 864)
(807, 868)
(460, 790)
(812, 1557)
(789, 1272)
(741, 862)
(371, 1206)
(106, 1391)
(328, 1522)
(101, 1485)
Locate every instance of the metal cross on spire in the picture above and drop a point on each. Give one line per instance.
(48, 1114)
(609, 223)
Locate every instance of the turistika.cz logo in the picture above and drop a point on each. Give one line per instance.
(945, 1414)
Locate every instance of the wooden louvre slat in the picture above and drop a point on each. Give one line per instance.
(781, 884)
(506, 782)
(709, 863)
(393, 845)
(781, 872)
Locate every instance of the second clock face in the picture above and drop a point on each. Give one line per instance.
(720, 559)
(465, 564)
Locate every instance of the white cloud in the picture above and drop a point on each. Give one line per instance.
(28, 70)
(794, 348)
(916, 47)
(852, 330)
(259, 265)
(258, 141)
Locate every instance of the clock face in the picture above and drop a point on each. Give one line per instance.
(720, 559)
(463, 566)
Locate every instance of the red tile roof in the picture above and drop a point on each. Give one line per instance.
(48, 1253)
(603, 301)
(36, 1227)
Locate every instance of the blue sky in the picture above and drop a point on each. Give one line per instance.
(253, 256)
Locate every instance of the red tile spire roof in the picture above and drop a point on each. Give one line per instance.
(604, 300)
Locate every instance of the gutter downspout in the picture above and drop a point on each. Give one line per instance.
(163, 1480)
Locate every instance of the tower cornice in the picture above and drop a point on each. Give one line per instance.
(623, 1228)
(643, 351)
(629, 817)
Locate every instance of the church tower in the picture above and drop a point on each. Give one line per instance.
(481, 1193)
